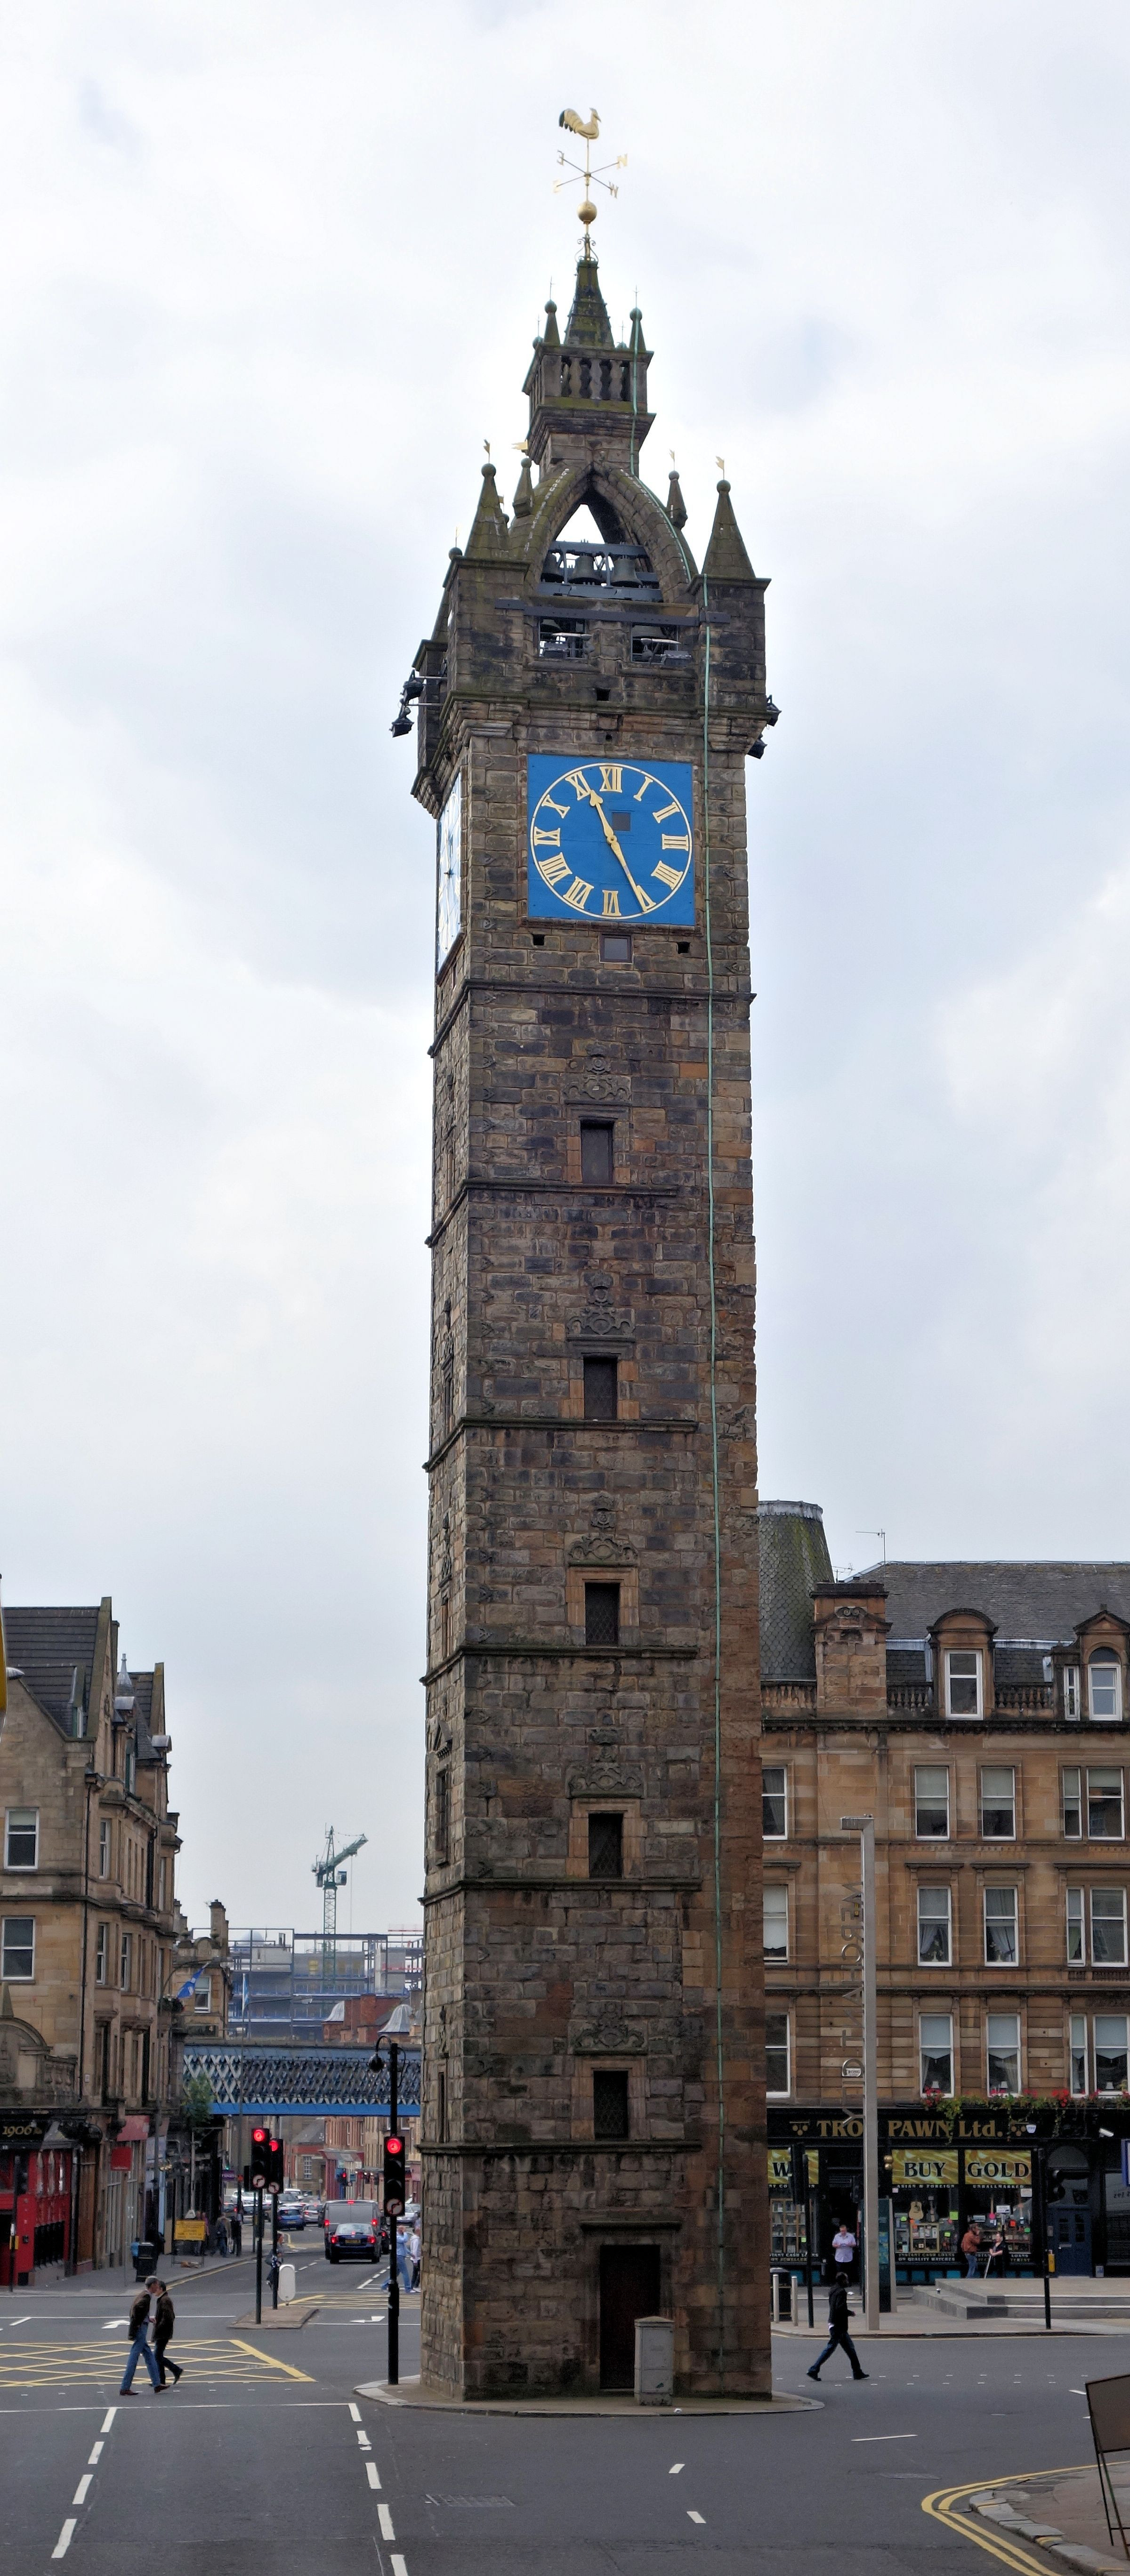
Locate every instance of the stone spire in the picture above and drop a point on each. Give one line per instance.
(726, 557)
(589, 326)
(524, 496)
(676, 506)
(490, 526)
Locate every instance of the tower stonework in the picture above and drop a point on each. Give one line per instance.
(593, 2119)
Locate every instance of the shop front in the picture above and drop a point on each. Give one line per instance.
(35, 2202)
(953, 2174)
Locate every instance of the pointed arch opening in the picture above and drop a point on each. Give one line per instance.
(593, 555)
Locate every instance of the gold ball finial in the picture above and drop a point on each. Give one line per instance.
(587, 213)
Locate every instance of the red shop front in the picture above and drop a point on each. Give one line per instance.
(35, 2207)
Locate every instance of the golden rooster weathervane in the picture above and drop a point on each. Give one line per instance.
(588, 128)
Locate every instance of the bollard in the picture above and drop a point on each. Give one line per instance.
(287, 2283)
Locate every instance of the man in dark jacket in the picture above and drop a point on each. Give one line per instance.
(838, 2314)
(164, 2320)
(236, 2224)
(139, 2348)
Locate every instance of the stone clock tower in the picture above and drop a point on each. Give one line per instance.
(593, 2127)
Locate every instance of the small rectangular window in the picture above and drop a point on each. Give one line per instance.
(609, 2103)
(931, 1804)
(21, 1838)
(17, 1962)
(777, 2070)
(1104, 1806)
(202, 1999)
(1000, 1927)
(1076, 1928)
(934, 1927)
(101, 1954)
(998, 1806)
(616, 947)
(935, 2049)
(775, 1922)
(441, 2105)
(606, 1846)
(161, 1890)
(596, 1150)
(1077, 2046)
(1104, 1687)
(1072, 1805)
(602, 1614)
(562, 639)
(963, 1684)
(124, 1963)
(600, 1390)
(1108, 1927)
(653, 644)
(104, 1848)
(443, 1817)
(1110, 2052)
(1002, 2051)
(1071, 1695)
(774, 1802)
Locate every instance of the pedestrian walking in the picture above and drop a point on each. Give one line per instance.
(139, 2347)
(164, 2320)
(415, 2249)
(844, 2247)
(221, 2234)
(971, 2248)
(997, 2256)
(838, 2315)
(237, 2231)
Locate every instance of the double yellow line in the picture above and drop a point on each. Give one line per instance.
(940, 2506)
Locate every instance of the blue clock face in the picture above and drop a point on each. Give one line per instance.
(610, 840)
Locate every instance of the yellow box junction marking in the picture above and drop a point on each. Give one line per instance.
(998, 2543)
(54, 2365)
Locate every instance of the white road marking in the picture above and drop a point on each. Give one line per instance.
(355, 2411)
(694, 2517)
(64, 2540)
(14, 2321)
(109, 2419)
(114, 2323)
(372, 2473)
(1077, 2392)
(884, 2437)
(385, 2520)
(677, 2470)
(83, 2489)
(95, 2456)
(363, 2441)
(399, 2565)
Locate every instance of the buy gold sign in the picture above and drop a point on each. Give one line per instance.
(930, 2170)
(781, 2168)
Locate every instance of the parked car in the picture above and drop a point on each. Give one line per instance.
(292, 2213)
(353, 2230)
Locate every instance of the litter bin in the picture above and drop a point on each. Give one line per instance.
(655, 2361)
(781, 2296)
(144, 2260)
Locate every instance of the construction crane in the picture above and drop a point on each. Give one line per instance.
(330, 1876)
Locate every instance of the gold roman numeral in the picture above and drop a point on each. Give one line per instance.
(552, 840)
(577, 894)
(553, 869)
(662, 811)
(669, 876)
(612, 899)
(611, 781)
(576, 779)
(554, 807)
(648, 781)
(674, 840)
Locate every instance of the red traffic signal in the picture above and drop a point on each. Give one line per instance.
(394, 2193)
(276, 2164)
(260, 2147)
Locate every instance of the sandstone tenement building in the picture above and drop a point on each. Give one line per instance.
(593, 2132)
(978, 1711)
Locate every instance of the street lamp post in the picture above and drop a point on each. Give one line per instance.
(864, 1826)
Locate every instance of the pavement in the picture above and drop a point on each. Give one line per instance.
(266, 2457)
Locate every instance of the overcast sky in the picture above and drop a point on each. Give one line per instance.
(270, 276)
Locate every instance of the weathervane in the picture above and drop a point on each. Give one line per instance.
(588, 128)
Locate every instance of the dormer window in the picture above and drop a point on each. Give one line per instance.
(1104, 1686)
(1072, 1693)
(963, 1683)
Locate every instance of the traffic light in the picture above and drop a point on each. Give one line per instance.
(260, 2145)
(395, 2190)
(276, 2163)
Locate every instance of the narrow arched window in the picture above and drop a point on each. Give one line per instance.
(1104, 1685)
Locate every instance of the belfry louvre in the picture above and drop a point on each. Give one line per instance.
(593, 2123)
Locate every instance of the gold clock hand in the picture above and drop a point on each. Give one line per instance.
(642, 899)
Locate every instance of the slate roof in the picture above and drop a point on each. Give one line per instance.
(1044, 1599)
(45, 1646)
(793, 1555)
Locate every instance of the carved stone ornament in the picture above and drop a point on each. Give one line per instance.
(605, 1780)
(595, 1080)
(446, 1564)
(602, 1547)
(599, 1316)
(607, 2034)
